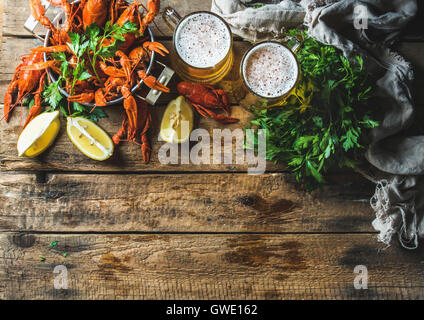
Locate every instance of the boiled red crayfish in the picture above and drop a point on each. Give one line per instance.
(135, 124)
(204, 97)
(132, 14)
(110, 77)
(59, 36)
(132, 68)
(28, 76)
(94, 11)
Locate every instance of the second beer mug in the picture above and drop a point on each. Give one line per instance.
(270, 71)
(202, 46)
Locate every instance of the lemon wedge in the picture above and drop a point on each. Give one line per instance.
(39, 134)
(89, 138)
(177, 121)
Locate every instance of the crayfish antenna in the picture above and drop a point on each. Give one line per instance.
(154, 22)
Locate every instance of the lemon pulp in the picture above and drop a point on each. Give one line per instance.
(177, 121)
(39, 134)
(89, 138)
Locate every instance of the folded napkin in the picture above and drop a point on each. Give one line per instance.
(399, 199)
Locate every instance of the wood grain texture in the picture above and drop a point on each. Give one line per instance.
(176, 231)
(14, 23)
(14, 48)
(128, 158)
(1, 22)
(180, 203)
(187, 266)
(64, 156)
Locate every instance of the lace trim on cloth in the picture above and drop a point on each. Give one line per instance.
(398, 202)
(311, 5)
(380, 203)
(391, 218)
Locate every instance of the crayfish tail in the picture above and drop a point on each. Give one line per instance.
(146, 149)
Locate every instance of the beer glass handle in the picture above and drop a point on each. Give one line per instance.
(298, 42)
(171, 17)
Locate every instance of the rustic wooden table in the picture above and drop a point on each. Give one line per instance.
(135, 231)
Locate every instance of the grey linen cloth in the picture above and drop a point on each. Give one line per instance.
(399, 199)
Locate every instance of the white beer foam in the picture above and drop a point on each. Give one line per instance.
(270, 70)
(202, 40)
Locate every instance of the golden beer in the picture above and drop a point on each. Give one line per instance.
(270, 71)
(202, 46)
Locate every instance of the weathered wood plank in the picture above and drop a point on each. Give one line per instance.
(1, 22)
(128, 157)
(186, 266)
(181, 203)
(64, 156)
(14, 23)
(14, 48)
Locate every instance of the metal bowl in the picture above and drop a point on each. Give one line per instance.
(60, 18)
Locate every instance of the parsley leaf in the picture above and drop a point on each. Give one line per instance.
(97, 114)
(52, 95)
(54, 244)
(59, 56)
(92, 31)
(78, 108)
(84, 76)
(323, 123)
(31, 103)
(88, 47)
(105, 46)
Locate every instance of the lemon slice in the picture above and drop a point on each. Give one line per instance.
(39, 134)
(177, 121)
(89, 138)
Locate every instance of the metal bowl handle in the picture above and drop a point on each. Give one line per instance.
(152, 96)
(31, 23)
(164, 78)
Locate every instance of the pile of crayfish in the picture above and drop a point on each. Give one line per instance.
(106, 79)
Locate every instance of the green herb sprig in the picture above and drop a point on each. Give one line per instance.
(323, 123)
(95, 44)
(104, 45)
(56, 100)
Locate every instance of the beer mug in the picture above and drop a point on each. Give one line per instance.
(270, 71)
(202, 46)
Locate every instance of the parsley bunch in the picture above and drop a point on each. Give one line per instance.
(87, 48)
(104, 45)
(56, 100)
(324, 121)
